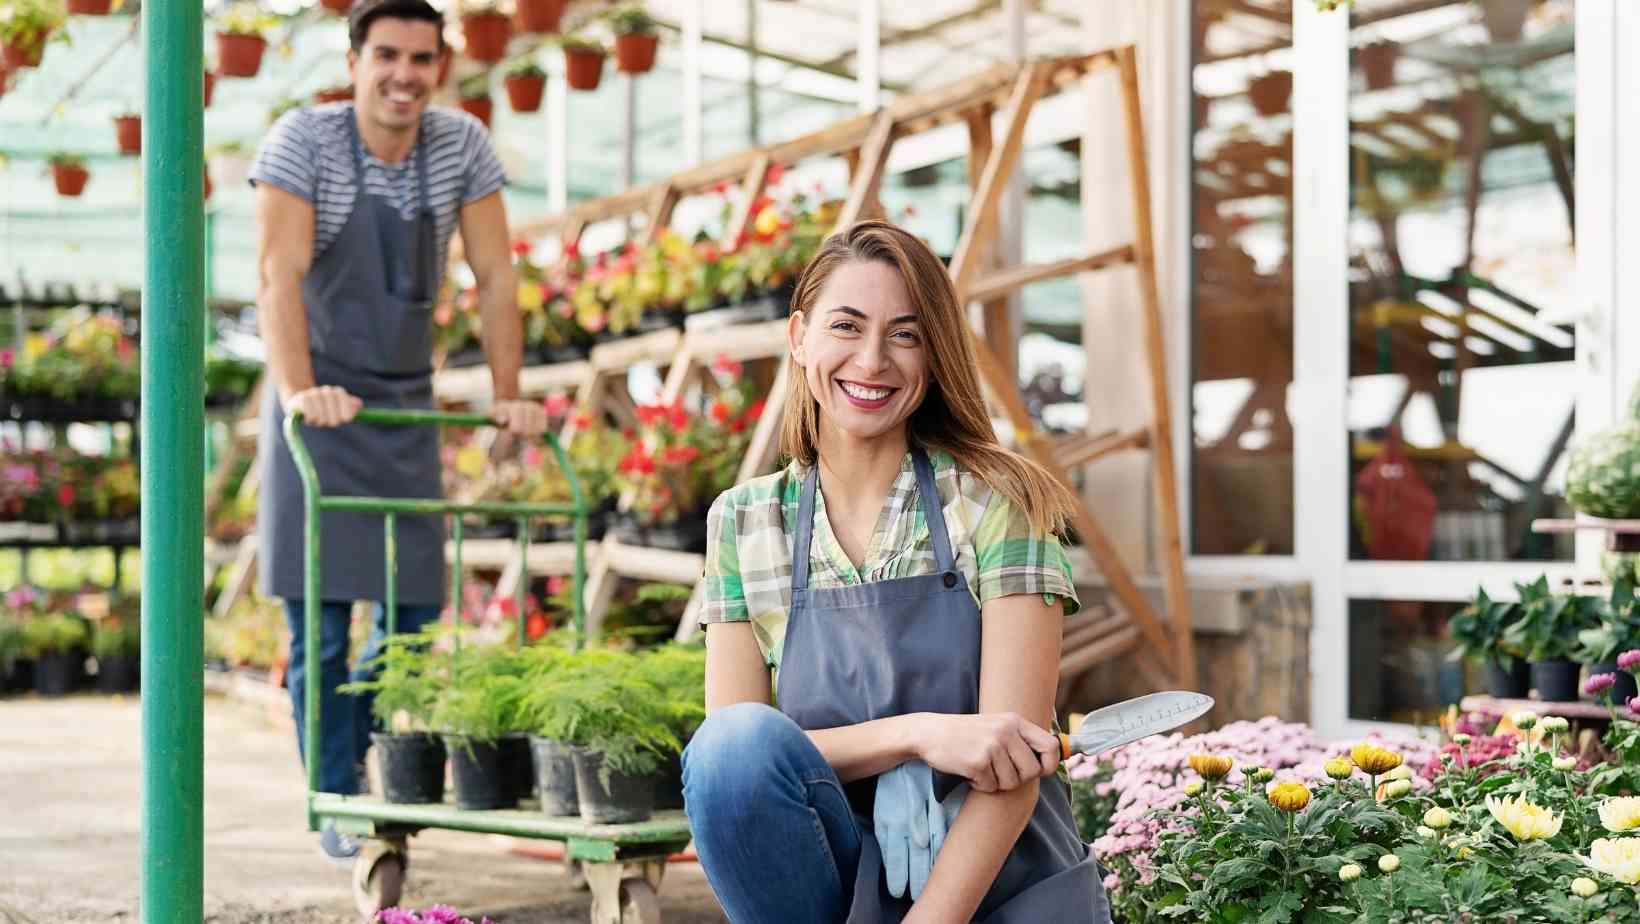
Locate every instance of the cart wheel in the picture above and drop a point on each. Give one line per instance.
(638, 903)
(378, 880)
(575, 874)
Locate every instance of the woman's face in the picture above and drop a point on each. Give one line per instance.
(862, 350)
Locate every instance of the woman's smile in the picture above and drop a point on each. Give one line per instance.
(864, 396)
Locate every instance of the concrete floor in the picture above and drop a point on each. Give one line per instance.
(70, 816)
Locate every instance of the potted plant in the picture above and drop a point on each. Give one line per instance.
(12, 662)
(474, 711)
(409, 756)
(475, 98)
(1271, 93)
(583, 62)
(679, 672)
(1547, 630)
(1377, 60)
(241, 38)
(90, 7)
(69, 173)
(55, 641)
(25, 27)
(525, 82)
(1619, 631)
(539, 15)
(1479, 631)
(635, 39)
(117, 646)
(340, 93)
(210, 87)
(128, 132)
(486, 30)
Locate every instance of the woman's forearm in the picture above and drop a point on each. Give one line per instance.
(974, 851)
(869, 748)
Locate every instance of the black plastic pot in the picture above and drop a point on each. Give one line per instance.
(627, 529)
(669, 785)
(489, 529)
(517, 767)
(659, 319)
(117, 674)
(555, 776)
(566, 353)
(1512, 683)
(684, 535)
(412, 767)
(19, 677)
(610, 798)
(1624, 689)
(1556, 680)
(59, 674)
(476, 771)
(466, 356)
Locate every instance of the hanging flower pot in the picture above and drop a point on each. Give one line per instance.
(26, 51)
(486, 33)
(210, 87)
(90, 7)
(239, 54)
(481, 107)
(334, 95)
(525, 85)
(70, 175)
(206, 174)
(539, 15)
(339, 7)
(128, 131)
(1271, 93)
(1378, 64)
(635, 39)
(1505, 18)
(583, 66)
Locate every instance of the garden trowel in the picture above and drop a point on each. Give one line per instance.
(1130, 720)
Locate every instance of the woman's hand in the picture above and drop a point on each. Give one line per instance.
(994, 751)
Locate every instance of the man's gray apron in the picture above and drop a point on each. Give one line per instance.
(369, 300)
(867, 651)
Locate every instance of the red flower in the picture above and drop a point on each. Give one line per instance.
(737, 425)
(756, 410)
(723, 365)
(581, 421)
(720, 412)
(65, 496)
(721, 187)
(680, 455)
(521, 249)
(572, 250)
(650, 414)
(777, 172)
(678, 417)
(535, 627)
(629, 434)
(507, 606)
(557, 404)
(759, 204)
(533, 456)
(555, 585)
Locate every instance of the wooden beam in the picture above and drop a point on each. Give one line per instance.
(1010, 280)
(868, 175)
(982, 212)
(751, 187)
(994, 308)
(661, 204)
(1079, 450)
(765, 442)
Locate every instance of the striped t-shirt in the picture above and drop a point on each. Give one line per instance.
(309, 153)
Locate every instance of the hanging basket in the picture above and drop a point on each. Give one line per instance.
(481, 107)
(486, 35)
(524, 91)
(239, 55)
(635, 53)
(210, 87)
(539, 15)
(70, 179)
(1271, 93)
(14, 56)
(583, 68)
(128, 132)
(90, 7)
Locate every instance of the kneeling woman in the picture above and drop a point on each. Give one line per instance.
(902, 581)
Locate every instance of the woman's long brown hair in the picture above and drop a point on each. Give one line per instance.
(952, 416)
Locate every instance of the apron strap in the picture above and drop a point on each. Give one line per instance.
(415, 152)
(933, 514)
(805, 530)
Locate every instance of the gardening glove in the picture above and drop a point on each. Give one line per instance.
(910, 824)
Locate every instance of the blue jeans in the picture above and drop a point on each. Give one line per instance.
(772, 826)
(345, 722)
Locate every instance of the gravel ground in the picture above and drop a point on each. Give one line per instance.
(70, 816)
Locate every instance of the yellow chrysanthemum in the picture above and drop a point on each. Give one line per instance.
(1584, 887)
(470, 460)
(530, 296)
(1339, 768)
(1438, 818)
(1211, 766)
(1617, 857)
(1373, 759)
(1289, 797)
(1527, 822)
(768, 221)
(1620, 814)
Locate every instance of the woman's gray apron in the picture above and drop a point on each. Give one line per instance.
(866, 651)
(369, 301)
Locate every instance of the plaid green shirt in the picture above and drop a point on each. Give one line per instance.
(749, 547)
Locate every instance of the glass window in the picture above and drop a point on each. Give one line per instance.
(1461, 261)
(1241, 279)
(1399, 670)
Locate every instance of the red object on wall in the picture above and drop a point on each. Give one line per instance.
(1397, 508)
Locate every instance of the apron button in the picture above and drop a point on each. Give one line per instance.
(950, 579)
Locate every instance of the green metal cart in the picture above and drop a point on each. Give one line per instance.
(622, 864)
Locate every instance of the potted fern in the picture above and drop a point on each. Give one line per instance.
(403, 694)
(635, 39)
(25, 27)
(526, 82)
(116, 643)
(241, 39)
(583, 62)
(1479, 629)
(679, 672)
(551, 665)
(1619, 631)
(56, 641)
(478, 713)
(69, 174)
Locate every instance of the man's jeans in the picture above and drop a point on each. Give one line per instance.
(772, 826)
(345, 722)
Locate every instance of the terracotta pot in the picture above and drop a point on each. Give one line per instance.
(486, 35)
(1505, 18)
(482, 107)
(128, 130)
(539, 15)
(1378, 64)
(583, 68)
(239, 55)
(635, 54)
(15, 57)
(524, 91)
(1271, 93)
(70, 179)
(339, 7)
(90, 7)
(210, 86)
(333, 95)
(207, 177)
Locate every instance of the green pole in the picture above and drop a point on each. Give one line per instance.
(173, 427)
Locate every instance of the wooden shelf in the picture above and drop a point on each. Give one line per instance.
(1493, 706)
(632, 561)
(473, 382)
(1586, 522)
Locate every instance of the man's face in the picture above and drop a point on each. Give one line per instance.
(394, 73)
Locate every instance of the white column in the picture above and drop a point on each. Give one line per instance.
(694, 139)
(629, 133)
(557, 143)
(868, 75)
